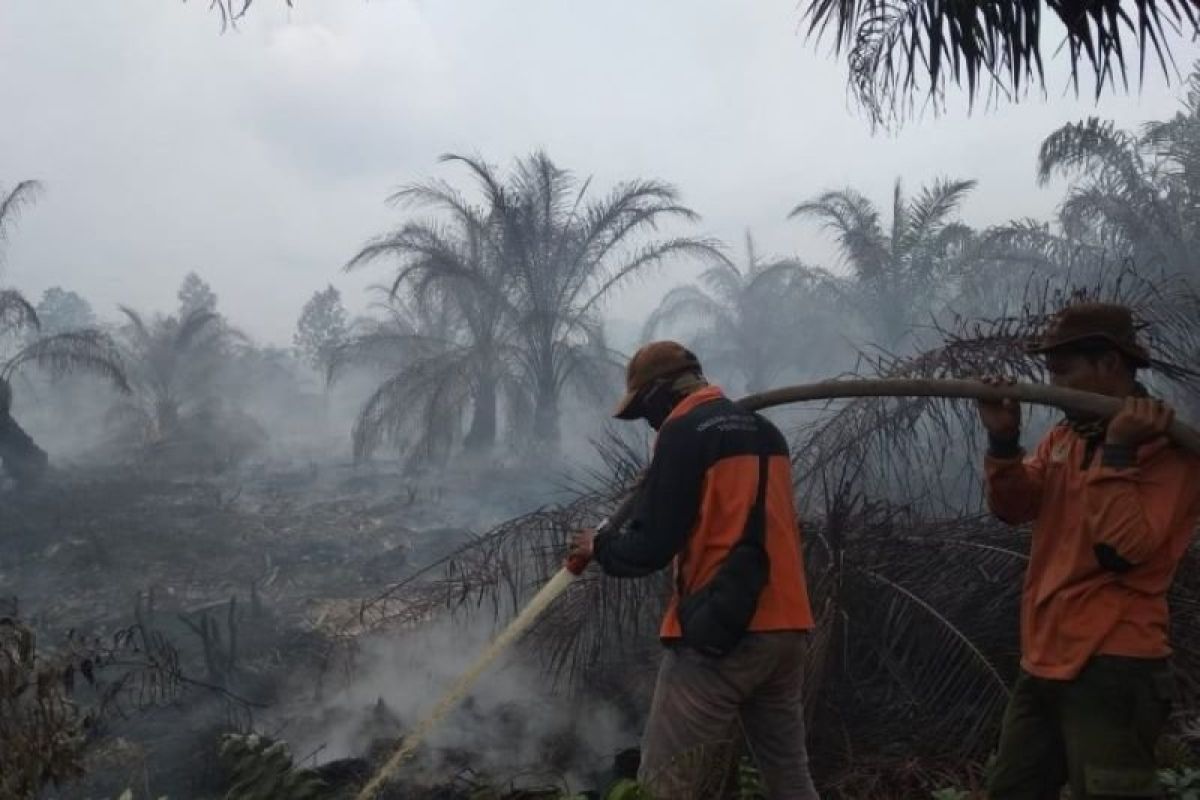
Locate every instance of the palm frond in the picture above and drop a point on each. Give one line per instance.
(21, 195)
(677, 304)
(196, 324)
(929, 211)
(854, 220)
(646, 256)
(16, 312)
(1092, 144)
(899, 50)
(89, 352)
(140, 329)
(422, 401)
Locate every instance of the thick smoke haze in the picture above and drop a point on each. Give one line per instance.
(257, 492)
(261, 158)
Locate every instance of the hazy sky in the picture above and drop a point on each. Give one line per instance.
(261, 158)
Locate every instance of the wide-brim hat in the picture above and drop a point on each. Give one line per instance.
(1085, 323)
(654, 361)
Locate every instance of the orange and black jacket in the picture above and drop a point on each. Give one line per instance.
(695, 501)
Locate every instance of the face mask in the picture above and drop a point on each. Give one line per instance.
(657, 404)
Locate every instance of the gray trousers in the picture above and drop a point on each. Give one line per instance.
(698, 701)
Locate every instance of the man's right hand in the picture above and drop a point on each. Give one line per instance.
(1001, 418)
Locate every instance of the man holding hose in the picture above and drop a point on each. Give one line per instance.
(1114, 505)
(716, 501)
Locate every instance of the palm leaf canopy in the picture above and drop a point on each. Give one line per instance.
(901, 50)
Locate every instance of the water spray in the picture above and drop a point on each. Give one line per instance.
(1037, 394)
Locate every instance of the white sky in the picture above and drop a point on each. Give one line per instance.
(261, 158)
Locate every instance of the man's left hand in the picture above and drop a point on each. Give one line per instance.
(581, 551)
(1140, 420)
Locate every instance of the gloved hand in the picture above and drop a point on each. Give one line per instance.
(581, 551)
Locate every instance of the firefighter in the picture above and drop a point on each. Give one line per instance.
(717, 505)
(1113, 505)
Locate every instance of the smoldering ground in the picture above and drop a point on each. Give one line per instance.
(515, 723)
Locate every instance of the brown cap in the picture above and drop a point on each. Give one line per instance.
(653, 362)
(1094, 322)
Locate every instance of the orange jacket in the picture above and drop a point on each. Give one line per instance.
(1110, 525)
(694, 503)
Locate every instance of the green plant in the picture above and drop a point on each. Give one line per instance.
(626, 789)
(1181, 784)
(749, 782)
(263, 770)
(950, 793)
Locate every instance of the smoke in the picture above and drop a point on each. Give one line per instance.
(515, 721)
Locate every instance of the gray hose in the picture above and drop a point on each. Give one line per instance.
(1039, 394)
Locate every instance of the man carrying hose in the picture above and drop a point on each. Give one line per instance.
(717, 501)
(1114, 506)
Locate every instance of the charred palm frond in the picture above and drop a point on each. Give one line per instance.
(901, 51)
(52, 700)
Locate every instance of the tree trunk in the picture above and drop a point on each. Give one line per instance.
(545, 416)
(482, 435)
(23, 460)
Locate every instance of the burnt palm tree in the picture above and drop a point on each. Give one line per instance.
(172, 363)
(527, 271)
(898, 273)
(900, 51)
(562, 253)
(756, 320)
(1136, 194)
(432, 368)
(454, 276)
(85, 351)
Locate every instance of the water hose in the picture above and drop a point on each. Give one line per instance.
(1037, 394)
(1095, 405)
